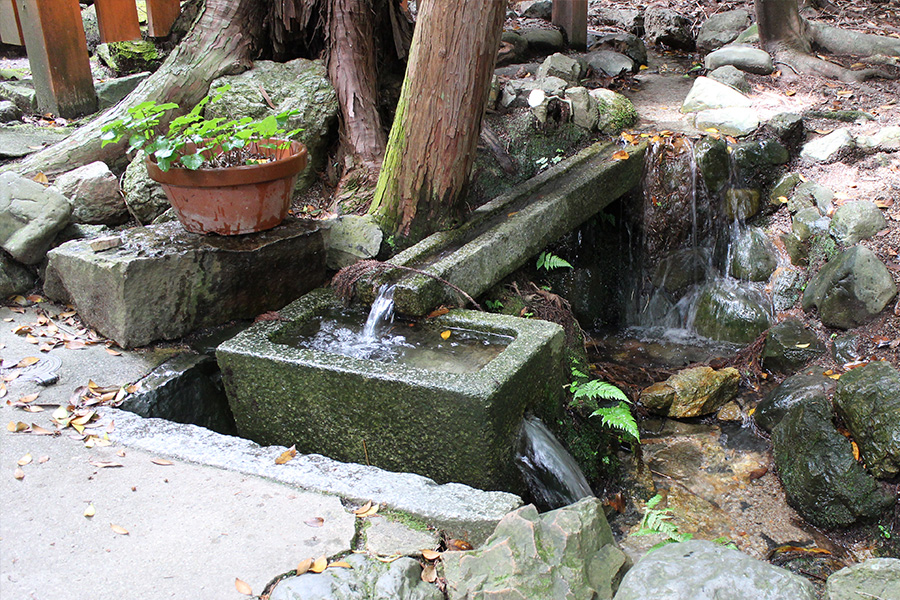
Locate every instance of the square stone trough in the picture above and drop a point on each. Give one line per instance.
(450, 427)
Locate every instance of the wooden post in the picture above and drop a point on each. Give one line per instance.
(58, 55)
(161, 14)
(10, 29)
(571, 15)
(117, 20)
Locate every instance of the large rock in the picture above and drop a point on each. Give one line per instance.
(868, 400)
(809, 222)
(144, 197)
(584, 108)
(731, 76)
(729, 121)
(110, 91)
(810, 194)
(787, 286)
(94, 193)
(630, 20)
(722, 28)
(564, 554)
(30, 217)
(855, 221)
(516, 91)
(129, 57)
(707, 93)
(624, 43)
(351, 238)
(733, 313)
(300, 85)
(14, 278)
(701, 570)
(745, 58)
(22, 140)
(366, 579)
(609, 63)
(886, 139)
(9, 111)
(796, 389)
(828, 148)
(821, 479)
(615, 111)
(790, 345)
(162, 282)
(874, 578)
(692, 392)
(665, 26)
(753, 256)
(713, 161)
(562, 66)
(850, 289)
(753, 161)
(544, 41)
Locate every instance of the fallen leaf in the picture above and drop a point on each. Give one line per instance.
(372, 510)
(43, 459)
(24, 460)
(90, 511)
(105, 464)
(429, 574)
(340, 564)
(304, 565)
(441, 310)
(757, 473)
(621, 155)
(113, 352)
(41, 178)
(362, 508)
(14, 427)
(242, 587)
(286, 456)
(32, 409)
(161, 462)
(27, 361)
(801, 345)
(28, 398)
(319, 565)
(855, 450)
(19, 473)
(38, 430)
(118, 529)
(458, 545)
(431, 554)
(790, 93)
(315, 522)
(445, 335)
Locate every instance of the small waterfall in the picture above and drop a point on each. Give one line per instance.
(552, 475)
(382, 311)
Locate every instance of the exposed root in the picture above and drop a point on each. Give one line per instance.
(548, 306)
(344, 282)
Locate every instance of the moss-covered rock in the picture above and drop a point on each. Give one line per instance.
(732, 313)
(691, 392)
(127, 58)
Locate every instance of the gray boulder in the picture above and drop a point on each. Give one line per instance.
(681, 269)
(886, 139)
(513, 49)
(828, 148)
(30, 217)
(562, 66)
(9, 111)
(732, 76)
(367, 579)
(584, 108)
(783, 188)
(874, 578)
(667, 27)
(94, 193)
(14, 278)
(821, 479)
(701, 570)
(796, 389)
(20, 93)
(730, 121)
(609, 62)
(732, 313)
(144, 198)
(810, 194)
(565, 553)
(707, 93)
(741, 203)
(615, 112)
(544, 41)
(855, 221)
(809, 222)
(129, 57)
(351, 238)
(787, 286)
(753, 162)
(630, 20)
(722, 28)
(753, 256)
(745, 58)
(692, 392)
(110, 91)
(788, 128)
(713, 161)
(868, 400)
(516, 91)
(541, 9)
(850, 289)
(790, 345)
(300, 85)
(624, 43)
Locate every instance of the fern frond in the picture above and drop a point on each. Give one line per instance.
(549, 261)
(619, 417)
(600, 389)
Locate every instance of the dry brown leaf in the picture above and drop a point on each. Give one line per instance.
(28, 361)
(286, 456)
(621, 155)
(118, 529)
(459, 545)
(113, 352)
(90, 511)
(431, 554)
(372, 510)
(28, 398)
(340, 564)
(304, 565)
(319, 565)
(16, 427)
(362, 508)
(32, 409)
(161, 462)
(445, 335)
(41, 178)
(439, 311)
(242, 587)
(24, 460)
(19, 473)
(105, 464)
(855, 450)
(43, 459)
(38, 430)
(790, 92)
(429, 574)
(315, 522)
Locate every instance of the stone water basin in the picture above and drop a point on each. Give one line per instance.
(454, 425)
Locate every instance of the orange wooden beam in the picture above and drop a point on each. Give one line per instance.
(161, 14)
(117, 20)
(571, 15)
(10, 28)
(58, 55)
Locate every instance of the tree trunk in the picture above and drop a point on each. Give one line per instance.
(780, 26)
(432, 143)
(220, 42)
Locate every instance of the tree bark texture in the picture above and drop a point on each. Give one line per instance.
(432, 143)
(351, 68)
(780, 26)
(220, 42)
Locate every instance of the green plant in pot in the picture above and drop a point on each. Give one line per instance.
(221, 176)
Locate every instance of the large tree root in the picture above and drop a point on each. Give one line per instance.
(219, 43)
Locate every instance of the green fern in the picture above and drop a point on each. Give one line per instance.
(549, 261)
(619, 417)
(598, 389)
(615, 417)
(656, 521)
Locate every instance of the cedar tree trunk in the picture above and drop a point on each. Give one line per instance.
(432, 143)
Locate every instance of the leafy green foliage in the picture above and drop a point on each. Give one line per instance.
(214, 139)
(494, 305)
(549, 261)
(617, 416)
(656, 521)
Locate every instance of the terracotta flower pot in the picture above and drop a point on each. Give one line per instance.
(234, 200)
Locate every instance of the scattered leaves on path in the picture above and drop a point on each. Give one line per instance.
(24, 460)
(319, 565)
(90, 511)
(431, 554)
(366, 510)
(19, 473)
(118, 529)
(304, 565)
(161, 462)
(242, 587)
(286, 456)
(315, 522)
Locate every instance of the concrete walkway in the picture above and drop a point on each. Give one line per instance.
(220, 510)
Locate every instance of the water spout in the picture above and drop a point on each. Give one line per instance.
(552, 475)
(382, 311)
